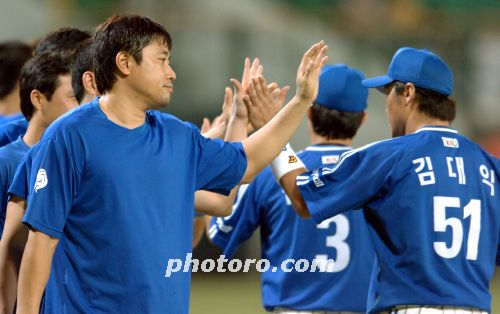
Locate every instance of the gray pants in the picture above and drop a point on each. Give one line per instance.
(288, 311)
(419, 309)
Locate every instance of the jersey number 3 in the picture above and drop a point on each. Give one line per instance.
(441, 223)
(337, 241)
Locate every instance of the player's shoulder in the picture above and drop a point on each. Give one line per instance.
(72, 119)
(15, 124)
(163, 117)
(384, 149)
(169, 121)
(13, 150)
(431, 137)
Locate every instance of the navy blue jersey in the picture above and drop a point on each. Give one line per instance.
(10, 156)
(284, 235)
(432, 201)
(121, 201)
(9, 132)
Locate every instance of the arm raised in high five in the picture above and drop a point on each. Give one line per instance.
(265, 144)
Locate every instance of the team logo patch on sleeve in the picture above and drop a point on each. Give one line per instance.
(41, 180)
(328, 160)
(292, 159)
(450, 142)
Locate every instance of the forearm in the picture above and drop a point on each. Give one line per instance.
(11, 251)
(35, 271)
(289, 185)
(198, 230)
(265, 144)
(10, 261)
(215, 204)
(237, 129)
(216, 132)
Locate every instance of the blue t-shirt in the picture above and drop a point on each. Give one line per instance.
(10, 156)
(10, 118)
(121, 201)
(11, 131)
(432, 202)
(52, 301)
(283, 235)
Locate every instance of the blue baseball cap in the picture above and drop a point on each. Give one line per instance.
(421, 67)
(340, 89)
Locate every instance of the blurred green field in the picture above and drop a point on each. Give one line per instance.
(240, 293)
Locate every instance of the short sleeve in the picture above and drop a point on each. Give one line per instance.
(220, 165)
(19, 185)
(357, 179)
(52, 185)
(498, 253)
(229, 232)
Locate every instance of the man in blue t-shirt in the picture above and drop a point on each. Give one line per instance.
(333, 120)
(113, 182)
(430, 195)
(13, 55)
(43, 99)
(63, 42)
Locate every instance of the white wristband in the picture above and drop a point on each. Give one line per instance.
(286, 161)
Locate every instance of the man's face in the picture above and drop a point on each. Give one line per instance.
(396, 111)
(152, 78)
(62, 100)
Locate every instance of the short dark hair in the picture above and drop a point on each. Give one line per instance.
(82, 62)
(431, 103)
(41, 73)
(13, 55)
(334, 124)
(65, 41)
(128, 33)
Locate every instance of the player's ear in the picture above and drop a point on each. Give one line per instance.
(365, 117)
(89, 83)
(122, 61)
(38, 99)
(409, 93)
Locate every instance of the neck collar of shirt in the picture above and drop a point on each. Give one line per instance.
(327, 147)
(139, 129)
(21, 142)
(437, 128)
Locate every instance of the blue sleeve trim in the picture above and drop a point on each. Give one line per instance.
(16, 192)
(240, 163)
(32, 224)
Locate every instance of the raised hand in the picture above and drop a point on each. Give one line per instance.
(227, 106)
(264, 101)
(250, 71)
(240, 110)
(205, 126)
(309, 70)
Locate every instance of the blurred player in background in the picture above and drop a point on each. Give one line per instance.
(431, 196)
(212, 203)
(13, 55)
(333, 121)
(48, 81)
(46, 94)
(62, 42)
(82, 74)
(104, 196)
